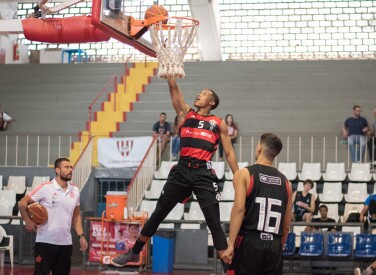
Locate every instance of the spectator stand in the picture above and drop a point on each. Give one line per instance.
(23, 241)
(325, 261)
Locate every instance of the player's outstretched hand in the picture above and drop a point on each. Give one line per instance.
(171, 80)
(170, 77)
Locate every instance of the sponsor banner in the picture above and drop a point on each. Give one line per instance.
(113, 239)
(122, 152)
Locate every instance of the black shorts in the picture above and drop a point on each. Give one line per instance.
(256, 256)
(372, 207)
(299, 216)
(183, 180)
(51, 257)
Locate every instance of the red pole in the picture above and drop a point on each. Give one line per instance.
(115, 91)
(89, 126)
(125, 69)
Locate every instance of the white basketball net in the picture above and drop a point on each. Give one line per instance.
(171, 45)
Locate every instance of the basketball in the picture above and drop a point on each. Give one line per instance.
(156, 10)
(38, 213)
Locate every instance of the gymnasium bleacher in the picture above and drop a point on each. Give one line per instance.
(53, 93)
(336, 191)
(294, 68)
(270, 103)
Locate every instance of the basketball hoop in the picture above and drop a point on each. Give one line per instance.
(171, 41)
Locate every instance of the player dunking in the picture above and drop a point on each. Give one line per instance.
(261, 214)
(200, 132)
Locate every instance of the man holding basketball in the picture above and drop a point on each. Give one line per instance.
(261, 214)
(200, 133)
(61, 198)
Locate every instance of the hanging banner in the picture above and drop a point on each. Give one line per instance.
(122, 152)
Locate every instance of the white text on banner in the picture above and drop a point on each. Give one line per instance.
(122, 152)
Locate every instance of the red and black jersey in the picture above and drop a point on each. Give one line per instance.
(266, 202)
(199, 136)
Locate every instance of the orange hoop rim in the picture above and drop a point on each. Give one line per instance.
(172, 26)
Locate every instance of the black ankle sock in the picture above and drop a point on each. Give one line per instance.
(138, 246)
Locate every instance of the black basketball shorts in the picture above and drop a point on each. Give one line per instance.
(184, 180)
(256, 256)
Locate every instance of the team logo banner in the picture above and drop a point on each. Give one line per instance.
(122, 152)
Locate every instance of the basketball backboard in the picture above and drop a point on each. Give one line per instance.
(110, 17)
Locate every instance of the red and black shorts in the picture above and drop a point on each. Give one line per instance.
(200, 179)
(257, 254)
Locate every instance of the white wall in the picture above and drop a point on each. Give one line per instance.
(9, 10)
(298, 29)
(6, 43)
(50, 56)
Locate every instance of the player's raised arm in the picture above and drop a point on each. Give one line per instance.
(288, 214)
(178, 102)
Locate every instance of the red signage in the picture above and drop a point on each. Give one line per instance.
(112, 239)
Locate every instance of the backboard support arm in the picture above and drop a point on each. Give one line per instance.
(51, 10)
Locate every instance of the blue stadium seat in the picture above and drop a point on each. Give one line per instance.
(365, 246)
(339, 245)
(311, 244)
(289, 248)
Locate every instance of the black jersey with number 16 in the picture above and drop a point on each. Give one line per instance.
(266, 201)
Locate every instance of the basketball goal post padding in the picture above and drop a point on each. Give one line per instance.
(76, 29)
(99, 27)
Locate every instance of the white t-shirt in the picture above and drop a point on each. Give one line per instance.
(60, 206)
(5, 116)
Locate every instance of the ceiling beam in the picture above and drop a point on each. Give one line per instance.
(11, 26)
(209, 40)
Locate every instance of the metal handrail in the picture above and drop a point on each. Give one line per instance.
(37, 149)
(82, 167)
(113, 80)
(142, 177)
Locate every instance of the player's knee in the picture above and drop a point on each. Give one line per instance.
(307, 217)
(162, 209)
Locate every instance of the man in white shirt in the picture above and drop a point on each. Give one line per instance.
(53, 245)
(4, 120)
